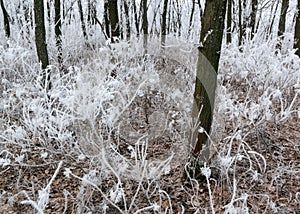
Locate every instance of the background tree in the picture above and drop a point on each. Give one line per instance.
(297, 31)
(145, 23)
(127, 19)
(242, 25)
(164, 23)
(83, 26)
(229, 21)
(191, 17)
(92, 13)
(254, 5)
(282, 17)
(40, 39)
(136, 18)
(272, 18)
(5, 19)
(57, 29)
(106, 18)
(114, 19)
(208, 62)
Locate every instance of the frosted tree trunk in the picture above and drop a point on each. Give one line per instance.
(57, 30)
(6, 19)
(114, 19)
(229, 21)
(164, 24)
(40, 40)
(207, 68)
(297, 31)
(145, 24)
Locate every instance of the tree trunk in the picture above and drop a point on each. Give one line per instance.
(57, 30)
(48, 11)
(164, 23)
(145, 24)
(91, 12)
(106, 19)
(153, 28)
(178, 18)
(191, 17)
(241, 26)
(284, 8)
(272, 18)
(297, 31)
(114, 19)
(83, 27)
(6, 20)
(207, 68)
(40, 40)
(254, 6)
(137, 23)
(229, 21)
(127, 19)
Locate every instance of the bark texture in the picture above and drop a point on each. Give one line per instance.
(207, 68)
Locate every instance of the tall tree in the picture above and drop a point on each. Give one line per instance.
(106, 18)
(40, 39)
(164, 23)
(127, 19)
(282, 20)
(254, 5)
(57, 30)
(283, 12)
(297, 31)
(212, 27)
(229, 21)
(191, 17)
(114, 19)
(145, 23)
(272, 18)
(242, 27)
(92, 13)
(136, 19)
(6, 19)
(83, 26)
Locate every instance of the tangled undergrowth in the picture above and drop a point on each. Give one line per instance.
(111, 136)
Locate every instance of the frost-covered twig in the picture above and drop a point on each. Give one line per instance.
(43, 194)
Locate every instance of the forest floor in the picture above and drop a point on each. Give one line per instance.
(279, 184)
(256, 168)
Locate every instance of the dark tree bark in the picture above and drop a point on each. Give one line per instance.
(127, 19)
(208, 62)
(229, 21)
(106, 18)
(164, 24)
(191, 17)
(241, 26)
(92, 14)
(178, 18)
(153, 28)
(272, 18)
(40, 39)
(136, 15)
(49, 11)
(57, 30)
(25, 20)
(83, 27)
(254, 6)
(145, 23)
(114, 19)
(297, 31)
(284, 8)
(6, 20)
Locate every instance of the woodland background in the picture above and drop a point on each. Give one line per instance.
(96, 107)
